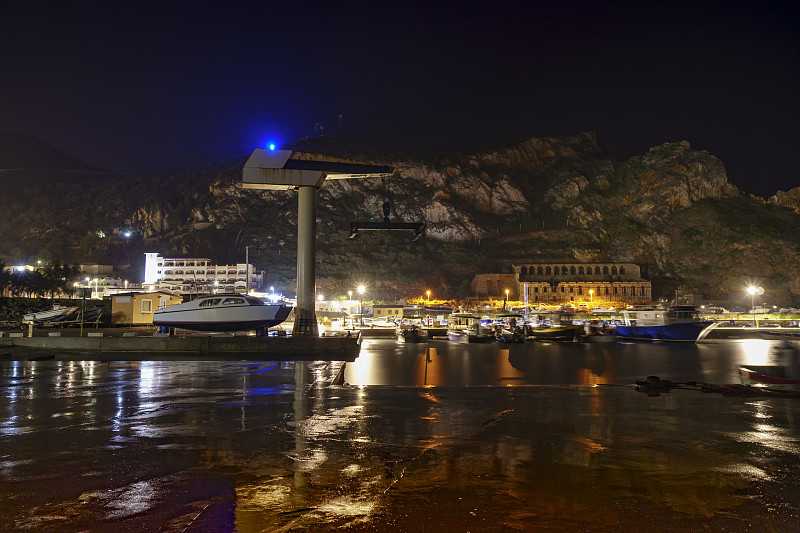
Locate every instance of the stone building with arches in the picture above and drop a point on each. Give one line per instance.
(555, 282)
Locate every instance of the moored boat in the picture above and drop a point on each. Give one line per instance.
(222, 312)
(766, 375)
(566, 332)
(466, 328)
(412, 334)
(680, 323)
(600, 337)
(468, 335)
(508, 335)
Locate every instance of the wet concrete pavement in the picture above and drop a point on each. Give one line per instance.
(273, 446)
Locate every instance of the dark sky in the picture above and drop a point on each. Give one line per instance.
(131, 86)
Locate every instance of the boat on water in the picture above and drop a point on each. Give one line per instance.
(679, 323)
(468, 335)
(784, 371)
(412, 334)
(601, 337)
(505, 335)
(562, 332)
(466, 328)
(222, 312)
(766, 375)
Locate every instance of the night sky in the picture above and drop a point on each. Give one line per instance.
(147, 85)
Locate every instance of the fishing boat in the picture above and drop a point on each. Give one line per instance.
(680, 323)
(222, 312)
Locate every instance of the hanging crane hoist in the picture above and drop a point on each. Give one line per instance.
(417, 227)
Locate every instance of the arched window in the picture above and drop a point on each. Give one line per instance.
(572, 271)
(563, 271)
(613, 271)
(622, 270)
(523, 272)
(547, 271)
(605, 270)
(580, 271)
(597, 271)
(539, 271)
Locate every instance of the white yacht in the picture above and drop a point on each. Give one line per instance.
(222, 312)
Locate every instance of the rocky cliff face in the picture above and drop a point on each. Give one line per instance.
(790, 199)
(671, 210)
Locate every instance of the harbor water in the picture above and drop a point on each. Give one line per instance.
(385, 362)
(417, 437)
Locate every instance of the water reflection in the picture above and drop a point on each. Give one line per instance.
(270, 446)
(386, 362)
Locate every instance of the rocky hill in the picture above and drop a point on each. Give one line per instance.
(671, 210)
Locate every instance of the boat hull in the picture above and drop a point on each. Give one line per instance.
(557, 333)
(411, 335)
(461, 337)
(765, 375)
(237, 318)
(678, 332)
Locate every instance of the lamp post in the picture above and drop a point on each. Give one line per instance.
(361, 290)
(591, 295)
(350, 307)
(504, 301)
(94, 294)
(752, 291)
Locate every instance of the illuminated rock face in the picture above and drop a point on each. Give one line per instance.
(563, 199)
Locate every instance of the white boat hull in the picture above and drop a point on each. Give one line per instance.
(235, 317)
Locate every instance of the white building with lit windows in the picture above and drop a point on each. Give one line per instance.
(199, 275)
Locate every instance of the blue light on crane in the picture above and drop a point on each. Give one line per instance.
(271, 147)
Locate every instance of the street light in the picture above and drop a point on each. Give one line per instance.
(504, 301)
(361, 290)
(591, 295)
(94, 294)
(752, 291)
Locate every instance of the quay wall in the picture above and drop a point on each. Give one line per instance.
(329, 348)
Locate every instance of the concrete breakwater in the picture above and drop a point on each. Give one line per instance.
(204, 347)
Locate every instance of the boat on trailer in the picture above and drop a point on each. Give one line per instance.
(222, 312)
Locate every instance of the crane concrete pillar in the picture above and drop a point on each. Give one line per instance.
(304, 172)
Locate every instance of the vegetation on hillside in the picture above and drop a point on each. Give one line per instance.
(670, 210)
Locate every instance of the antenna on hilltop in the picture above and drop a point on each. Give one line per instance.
(340, 125)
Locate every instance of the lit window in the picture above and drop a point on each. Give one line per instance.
(147, 306)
